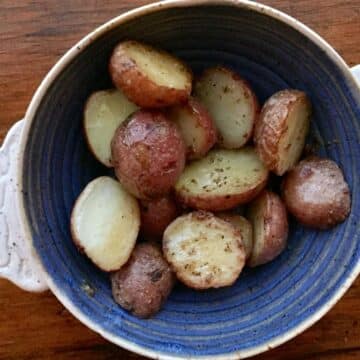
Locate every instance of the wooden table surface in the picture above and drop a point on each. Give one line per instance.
(33, 35)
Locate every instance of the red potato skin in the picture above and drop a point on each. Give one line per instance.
(220, 202)
(145, 93)
(248, 93)
(156, 215)
(316, 193)
(271, 125)
(148, 154)
(202, 120)
(143, 284)
(276, 228)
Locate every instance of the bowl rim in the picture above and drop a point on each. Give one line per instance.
(51, 77)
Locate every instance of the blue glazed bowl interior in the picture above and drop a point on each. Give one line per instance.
(265, 302)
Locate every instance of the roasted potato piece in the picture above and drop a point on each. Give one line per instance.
(196, 126)
(148, 153)
(203, 250)
(156, 215)
(104, 111)
(144, 283)
(316, 193)
(222, 180)
(244, 226)
(231, 103)
(105, 222)
(269, 220)
(281, 129)
(149, 77)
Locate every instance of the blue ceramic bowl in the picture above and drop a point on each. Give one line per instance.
(267, 305)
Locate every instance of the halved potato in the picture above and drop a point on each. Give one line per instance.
(104, 111)
(316, 193)
(203, 250)
(105, 222)
(149, 77)
(231, 103)
(270, 228)
(196, 126)
(244, 226)
(222, 180)
(281, 129)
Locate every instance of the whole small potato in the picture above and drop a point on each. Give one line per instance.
(143, 284)
(316, 193)
(148, 154)
(268, 216)
(156, 215)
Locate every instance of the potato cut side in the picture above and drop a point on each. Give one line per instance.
(222, 180)
(104, 111)
(231, 103)
(196, 126)
(244, 226)
(150, 77)
(281, 130)
(158, 66)
(203, 250)
(268, 216)
(105, 223)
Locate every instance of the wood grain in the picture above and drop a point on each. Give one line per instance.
(33, 35)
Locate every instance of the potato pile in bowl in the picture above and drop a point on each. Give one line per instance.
(192, 160)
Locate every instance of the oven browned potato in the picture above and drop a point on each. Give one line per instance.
(156, 215)
(316, 193)
(144, 283)
(104, 111)
(231, 103)
(222, 180)
(148, 153)
(105, 223)
(203, 250)
(269, 220)
(244, 226)
(281, 129)
(196, 126)
(149, 77)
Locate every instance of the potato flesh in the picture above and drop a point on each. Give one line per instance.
(244, 227)
(196, 127)
(105, 223)
(223, 172)
(193, 135)
(104, 112)
(161, 68)
(292, 143)
(204, 251)
(229, 104)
